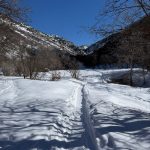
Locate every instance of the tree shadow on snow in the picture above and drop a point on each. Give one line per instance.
(124, 121)
(39, 144)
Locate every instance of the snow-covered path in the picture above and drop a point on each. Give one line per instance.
(73, 114)
(90, 134)
(40, 114)
(120, 113)
(118, 125)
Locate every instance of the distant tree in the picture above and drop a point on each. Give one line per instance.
(26, 61)
(127, 52)
(4, 40)
(133, 50)
(73, 68)
(21, 63)
(55, 75)
(32, 62)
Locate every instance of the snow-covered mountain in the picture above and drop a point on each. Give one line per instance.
(22, 34)
(26, 35)
(101, 52)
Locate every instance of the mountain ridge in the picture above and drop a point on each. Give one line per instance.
(31, 34)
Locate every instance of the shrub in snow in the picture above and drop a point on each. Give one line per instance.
(55, 76)
(75, 73)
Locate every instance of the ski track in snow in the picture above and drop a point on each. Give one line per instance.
(90, 135)
(73, 114)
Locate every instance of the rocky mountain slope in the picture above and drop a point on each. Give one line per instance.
(19, 34)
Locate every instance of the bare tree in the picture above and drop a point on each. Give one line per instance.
(48, 59)
(126, 54)
(133, 50)
(117, 14)
(55, 75)
(32, 62)
(74, 69)
(143, 56)
(26, 61)
(12, 9)
(22, 54)
(122, 16)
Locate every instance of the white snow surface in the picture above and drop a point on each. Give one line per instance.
(39, 114)
(39, 110)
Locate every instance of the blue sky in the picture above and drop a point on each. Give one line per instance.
(66, 18)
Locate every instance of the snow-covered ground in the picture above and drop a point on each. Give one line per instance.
(88, 113)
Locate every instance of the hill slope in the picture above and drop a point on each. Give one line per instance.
(22, 34)
(104, 51)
